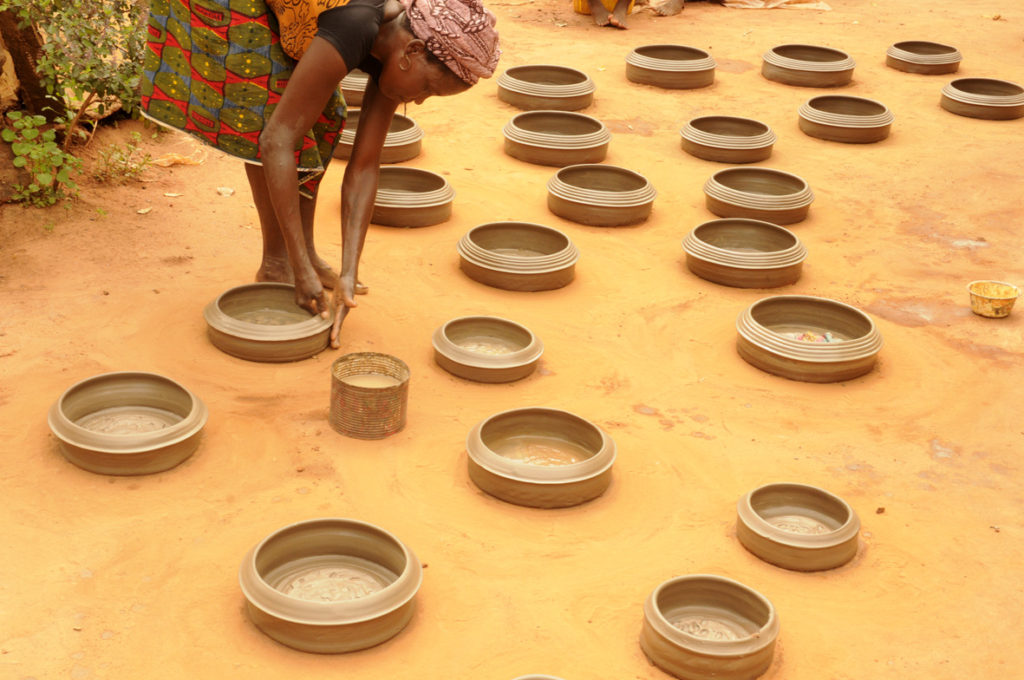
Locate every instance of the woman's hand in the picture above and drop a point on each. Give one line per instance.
(344, 299)
(310, 295)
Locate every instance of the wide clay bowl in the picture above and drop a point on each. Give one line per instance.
(330, 585)
(410, 197)
(921, 56)
(486, 349)
(518, 256)
(403, 142)
(727, 139)
(744, 253)
(705, 626)
(807, 66)
(807, 338)
(127, 423)
(557, 138)
(758, 194)
(600, 195)
(353, 86)
(985, 98)
(540, 457)
(676, 67)
(797, 526)
(546, 86)
(840, 118)
(261, 322)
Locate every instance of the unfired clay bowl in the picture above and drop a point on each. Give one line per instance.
(540, 457)
(703, 626)
(807, 66)
(518, 256)
(797, 526)
(670, 66)
(556, 138)
(727, 139)
(410, 197)
(744, 253)
(841, 118)
(759, 194)
(985, 98)
(546, 86)
(127, 423)
(403, 141)
(921, 56)
(600, 195)
(807, 338)
(261, 322)
(486, 349)
(353, 86)
(330, 585)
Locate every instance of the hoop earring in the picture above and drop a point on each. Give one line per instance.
(408, 64)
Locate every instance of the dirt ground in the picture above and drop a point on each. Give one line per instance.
(106, 577)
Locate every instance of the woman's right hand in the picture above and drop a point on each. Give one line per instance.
(344, 299)
(310, 295)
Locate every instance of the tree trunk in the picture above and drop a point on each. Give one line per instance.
(24, 46)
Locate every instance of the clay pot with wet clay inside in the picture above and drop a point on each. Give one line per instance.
(521, 256)
(556, 138)
(921, 56)
(807, 66)
(758, 194)
(410, 197)
(403, 142)
(841, 118)
(677, 67)
(353, 87)
(985, 98)
(127, 423)
(600, 195)
(540, 457)
(486, 349)
(330, 585)
(708, 627)
(744, 253)
(797, 526)
(727, 139)
(546, 87)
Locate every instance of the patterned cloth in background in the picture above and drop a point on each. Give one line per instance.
(217, 69)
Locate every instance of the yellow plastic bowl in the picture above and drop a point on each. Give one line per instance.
(993, 299)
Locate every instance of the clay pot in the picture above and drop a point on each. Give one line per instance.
(727, 139)
(677, 67)
(769, 330)
(410, 197)
(600, 195)
(546, 87)
(353, 86)
(992, 299)
(537, 677)
(518, 256)
(369, 395)
(983, 98)
(797, 526)
(486, 349)
(807, 66)
(920, 56)
(261, 322)
(330, 585)
(403, 142)
(557, 138)
(744, 253)
(841, 118)
(127, 423)
(759, 194)
(540, 457)
(705, 626)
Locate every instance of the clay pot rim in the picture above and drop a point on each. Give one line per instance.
(511, 82)
(517, 264)
(601, 197)
(264, 597)
(221, 321)
(80, 437)
(903, 52)
(638, 59)
(811, 112)
(694, 133)
(716, 188)
(755, 522)
(843, 63)
(954, 90)
(454, 352)
(514, 132)
(1014, 296)
(696, 247)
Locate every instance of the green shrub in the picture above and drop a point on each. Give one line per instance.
(36, 150)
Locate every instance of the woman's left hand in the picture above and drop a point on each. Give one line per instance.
(344, 299)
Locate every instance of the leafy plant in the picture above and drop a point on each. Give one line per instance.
(121, 162)
(36, 150)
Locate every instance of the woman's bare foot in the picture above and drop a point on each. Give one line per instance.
(618, 16)
(275, 270)
(599, 13)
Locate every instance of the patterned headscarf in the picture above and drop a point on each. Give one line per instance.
(460, 33)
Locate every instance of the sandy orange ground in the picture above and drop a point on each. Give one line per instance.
(105, 577)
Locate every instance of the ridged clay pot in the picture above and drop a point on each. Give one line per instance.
(703, 626)
(985, 98)
(546, 87)
(797, 526)
(840, 118)
(486, 349)
(261, 322)
(744, 253)
(330, 585)
(727, 139)
(518, 256)
(766, 338)
(403, 142)
(758, 194)
(807, 66)
(353, 86)
(677, 67)
(600, 195)
(410, 197)
(556, 138)
(921, 56)
(540, 457)
(127, 423)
